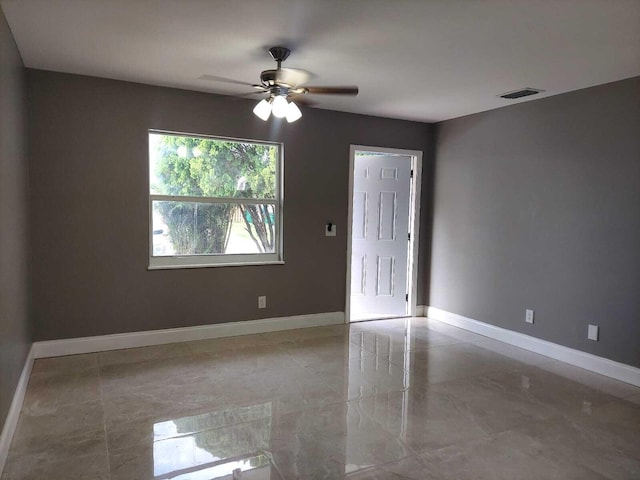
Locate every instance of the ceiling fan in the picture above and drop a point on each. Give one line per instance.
(283, 86)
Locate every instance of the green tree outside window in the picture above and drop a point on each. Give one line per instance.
(201, 167)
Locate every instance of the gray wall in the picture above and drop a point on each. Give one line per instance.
(15, 333)
(538, 206)
(89, 201)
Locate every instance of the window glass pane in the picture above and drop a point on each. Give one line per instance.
(190, 228)
(208, 167)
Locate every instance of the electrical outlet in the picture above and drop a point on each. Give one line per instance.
(592, 333)
(529, 316)
(262, 301)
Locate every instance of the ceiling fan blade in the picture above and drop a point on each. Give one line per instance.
(303, 101)
(215, 78)
(248, 94)
(352, 90)
(292, 76)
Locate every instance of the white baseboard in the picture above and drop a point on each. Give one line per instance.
(11, 421)
(421, 310)
(603, 366)
(74, 346)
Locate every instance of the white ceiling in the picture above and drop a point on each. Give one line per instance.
(413, 59)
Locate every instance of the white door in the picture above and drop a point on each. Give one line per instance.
(380, 236)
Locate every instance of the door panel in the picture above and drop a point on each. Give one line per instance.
(380, 231)
(359, 215)
(386, 276)
(387, 215)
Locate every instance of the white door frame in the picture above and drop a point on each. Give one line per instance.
(414, 221)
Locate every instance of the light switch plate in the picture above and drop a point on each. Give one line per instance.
(330, 230)
(592, 333)
(262, 301)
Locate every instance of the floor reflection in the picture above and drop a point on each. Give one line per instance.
(213, 445)
(339, 440)
(373, 376)
(404, 391)
(403, 398)
(256, 467)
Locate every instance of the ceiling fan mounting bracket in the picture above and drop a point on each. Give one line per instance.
(279, 54)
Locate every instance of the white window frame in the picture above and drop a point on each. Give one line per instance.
(220, 260)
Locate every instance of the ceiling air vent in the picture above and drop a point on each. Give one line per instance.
(523, 92)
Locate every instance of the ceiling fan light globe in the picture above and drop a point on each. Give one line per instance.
(280, 107)
(263, 109)
(293, 112)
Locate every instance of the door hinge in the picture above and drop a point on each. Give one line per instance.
(406, 297)
(409, 236)
(411, 173)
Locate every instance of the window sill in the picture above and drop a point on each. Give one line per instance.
(209, 265)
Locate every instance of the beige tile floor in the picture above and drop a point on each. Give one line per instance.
(390, 399)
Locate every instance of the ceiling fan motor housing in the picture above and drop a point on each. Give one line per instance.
(278, 78)
(268, 77)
